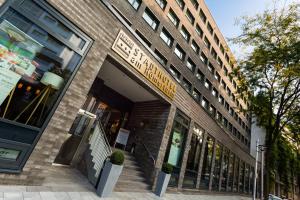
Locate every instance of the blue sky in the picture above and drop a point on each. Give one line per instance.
(225, 13)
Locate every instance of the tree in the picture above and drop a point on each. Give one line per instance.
(271, 72)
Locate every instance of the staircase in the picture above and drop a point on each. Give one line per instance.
(132, 178)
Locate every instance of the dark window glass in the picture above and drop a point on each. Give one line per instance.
(219, 117)
(181, 4)
(179, 52)
(214, 92)
(227, 58)
(187, 85)
(206, 168)
(204, 103)
(211, 68)
(175, 73)
(210, 29)
(219, 61)
(196, 95)
(202, 16)
(225, 122)
(226, 106)
(166, 37)
(231, 172)
(230, 127)
(242, 174)
(221, 100)
(223, 84)
(214, 53)
(162, 59)
(216, 39)
(143, 38)
(217, 77)
(212, 110)
(225, 167)
(231, 111)
(190, 16)
(35, 64)
(195, 4)
(199, 31)
(203, 58)
(206, 42)
(251, 175)
(207, 84)
(150, 18)
(191, 172)
(217, 167)
(200, 76)
(236, 174)
(162, 3)
(190, 65)
(185, 34)
(195, 47)
(173, 18)
(225, 71)
(135, 3)
(222, 49)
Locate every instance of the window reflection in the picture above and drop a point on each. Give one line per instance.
(230, 172)
(206, 168)
(225, 167)
(217, 168)
(236, 174)
(242, 173)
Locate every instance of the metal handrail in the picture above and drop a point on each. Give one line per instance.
(104, 135)
(149, 153)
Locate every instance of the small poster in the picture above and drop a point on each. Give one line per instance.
(9, 153)
(176, 148)
(123, 136)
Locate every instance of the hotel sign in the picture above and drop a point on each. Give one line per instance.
(139, 60)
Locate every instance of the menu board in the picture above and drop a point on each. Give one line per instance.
(17, 51)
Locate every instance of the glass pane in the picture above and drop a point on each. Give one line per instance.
(205, 175)
(225, 167)
(242, 173)
(34, 68)
(217, 168)
(236, 174)
(230, 172)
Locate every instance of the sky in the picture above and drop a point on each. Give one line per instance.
(226, 14)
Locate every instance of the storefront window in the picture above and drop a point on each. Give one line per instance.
(38, 55)
(217, 168)
(225, 167)
(236, 174)
(251, 179)
(176, 145)
(191, 172)
(206, 168)
(247, 170)
(242, 177)
(230, 172)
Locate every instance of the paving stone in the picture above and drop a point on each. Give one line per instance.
(13, 196)
(32, 196)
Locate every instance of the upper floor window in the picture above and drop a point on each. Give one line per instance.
(207, 84)
(214, 53)
(175, 73)
(196, 94)
(206, 42)
(190, 16)
(143, 38)
(135, 3)
(187, 85)
(195, 4)
(179, 52)
(204, 103)
(228, 91)
(214, 92)
(219, 117)
(219, 61)
(217, 76)
(181, 4)
(150, 18)
(225, 71)
(222, 49)
(212, 110)
(210, 28)
(231, 111)
(227, 58)
(226, 106)
(199, 31)
(202, 16)
(200, 76)
(195, 47)
(166, 37)
(211, 68)
(162, 3)
(185, 34)
(173, 18)
(190, 65)
(223, 84)
(216, 39)
(221, 100)
(203, 58)
(162, 59)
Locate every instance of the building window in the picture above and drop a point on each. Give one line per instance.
(226, 106)
(225, 122)
(228, 91)
(190, 65)
(207, 161)
(217, 77)
(175, 73)
(206, 42)
(222, 49)
(223, 84)
(190, 16)
(212, 110)
(219, 61)
(200, 76)
(221, 100)
(173, 18)
(219, 117)
(204, 103)
(210, 68)
(242, 174)
(227, 58)
(217, 167)
(135, 3)
(210, 29)
(231, 111)
(150, 18)
(179, 52)
(195, 4)
(143, 38)
(162, 3)
(181, 4)
(191, 172)
(214, 92)
(185, 34)
(225, 167)
(231, 172)
(40, 54)
(230, 127)
(199, 31)
(166, 37)
(203, 58)
(202, 16)
(196, 94)
(216, 39)
(187, 85)
(214, 53)
(225, 71)
(195, 47)
(162, 59)
(207, 84)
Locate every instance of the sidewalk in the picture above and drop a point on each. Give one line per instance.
(18, 193)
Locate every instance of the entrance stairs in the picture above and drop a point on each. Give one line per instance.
(132, 178)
